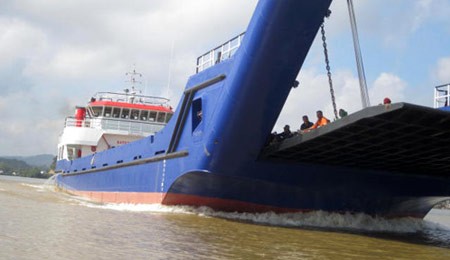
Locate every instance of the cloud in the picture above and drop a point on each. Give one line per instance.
(314, 94)
(74, 63)
(18, 41)
(387, 85)
(389, 25)
(29, 128)
(442, 70)
(23, 140)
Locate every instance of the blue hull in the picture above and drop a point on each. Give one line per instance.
(215, 162)
(271, 187)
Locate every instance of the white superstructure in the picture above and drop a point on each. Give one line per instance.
(112, 119)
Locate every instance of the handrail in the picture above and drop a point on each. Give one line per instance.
(442, 95)
(136, 127)
(137, 98)
(219, 54)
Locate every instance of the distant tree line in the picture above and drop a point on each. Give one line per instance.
(20, 168)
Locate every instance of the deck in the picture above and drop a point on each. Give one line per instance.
(402, 138)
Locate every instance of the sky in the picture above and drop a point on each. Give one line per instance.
(56, 54)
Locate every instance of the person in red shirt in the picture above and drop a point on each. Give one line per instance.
(321, 120)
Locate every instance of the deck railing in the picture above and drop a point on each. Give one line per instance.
(220, 53)
(442, 96)
(117, 125)
(130, 98)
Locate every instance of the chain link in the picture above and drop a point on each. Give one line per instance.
(327, 63)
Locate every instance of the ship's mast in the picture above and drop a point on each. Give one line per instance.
(359, 61)
(133, 82)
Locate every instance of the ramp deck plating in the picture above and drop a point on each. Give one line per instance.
(402, 138)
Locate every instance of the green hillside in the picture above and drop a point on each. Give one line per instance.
(21, 168)
(35, 160)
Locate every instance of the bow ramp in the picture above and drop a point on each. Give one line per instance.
(401, 138)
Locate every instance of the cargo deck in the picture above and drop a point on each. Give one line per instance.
(402, 138)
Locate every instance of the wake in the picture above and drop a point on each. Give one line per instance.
(316, 219)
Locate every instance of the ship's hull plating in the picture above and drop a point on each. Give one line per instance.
(265, 187)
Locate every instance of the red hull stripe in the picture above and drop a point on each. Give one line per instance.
(223, 204)
(121, 197)
(178, 199)
(128, 105)
(192, 200)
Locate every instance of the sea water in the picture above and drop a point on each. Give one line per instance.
(38, 223)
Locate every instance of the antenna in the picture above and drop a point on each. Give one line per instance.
(170, 66)
(172, 49)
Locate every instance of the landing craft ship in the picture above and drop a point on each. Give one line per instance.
(383, 160)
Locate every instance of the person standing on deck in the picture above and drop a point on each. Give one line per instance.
(306, 123)
(285, 134)
(342, 113)
(321, 120)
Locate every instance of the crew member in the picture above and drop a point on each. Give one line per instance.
(321, 120)
(306, 123)
(286, 133)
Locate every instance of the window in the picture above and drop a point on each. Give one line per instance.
(97, 111)
(197, 113)
(161, 117)
(169, 116)
(144, 115)
(73, 152)
(108, 111)
(134, 114)
(125, 113)
(70, 152)
(152, 116)
(116, 112)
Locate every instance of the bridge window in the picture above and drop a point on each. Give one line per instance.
(134, 114)
(97, 111)
(116, 112)
(125, 113)
(168, 117)
(152, 116)
(108, 111)
(161, 117)
(144, 115)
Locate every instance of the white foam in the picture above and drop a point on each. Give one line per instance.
(321, 219)
(38, 187)
(51, 181)
(315, 219)
(31, 185)
(150, 208)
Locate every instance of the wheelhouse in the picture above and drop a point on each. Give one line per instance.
(112, 119)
